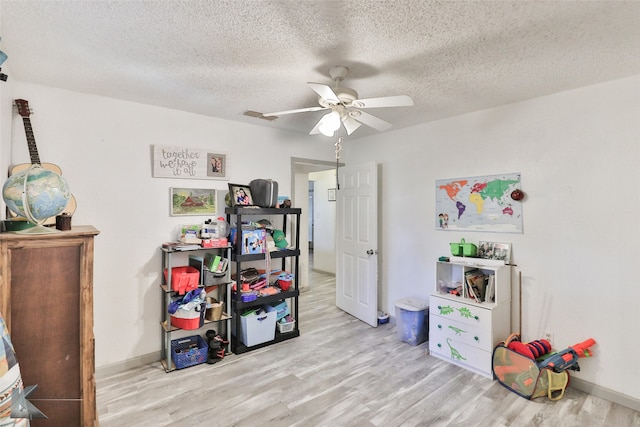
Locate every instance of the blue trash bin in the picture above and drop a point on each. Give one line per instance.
(412, 320)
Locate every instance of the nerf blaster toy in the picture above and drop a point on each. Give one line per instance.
(568, 358)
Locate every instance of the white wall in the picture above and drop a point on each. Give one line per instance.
(578, 152)
(324, 242)
(104, 149)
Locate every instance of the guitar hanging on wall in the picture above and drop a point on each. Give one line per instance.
(25, 112)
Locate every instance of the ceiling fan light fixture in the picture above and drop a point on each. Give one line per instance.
(326, 132)
(330, 123)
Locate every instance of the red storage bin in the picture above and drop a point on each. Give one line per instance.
(188, 324)
(183, 279)
(189, 319)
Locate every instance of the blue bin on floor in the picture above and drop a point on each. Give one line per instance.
(412, 320)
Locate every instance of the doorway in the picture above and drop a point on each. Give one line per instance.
(301, 184)
(311, 196)
(322, 217)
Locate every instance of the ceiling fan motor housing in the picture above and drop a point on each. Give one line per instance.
(339, 72)
(345, 95)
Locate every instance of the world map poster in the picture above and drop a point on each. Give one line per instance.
(481, 203)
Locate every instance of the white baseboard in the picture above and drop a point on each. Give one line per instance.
(120, 367)
(605, 393)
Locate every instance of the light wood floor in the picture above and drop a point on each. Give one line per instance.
(339, 372)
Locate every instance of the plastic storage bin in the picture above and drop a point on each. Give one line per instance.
(183, 279)
(412, 320)
(189, 319)
(282, 309)
(189, 351)
(258, 326)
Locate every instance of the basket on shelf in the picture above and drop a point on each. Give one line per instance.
(284, 327)
(183, 278)
(462, 248)
(188, 351)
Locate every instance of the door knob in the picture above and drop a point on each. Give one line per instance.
(372, 252)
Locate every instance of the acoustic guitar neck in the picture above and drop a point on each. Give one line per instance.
(25, 113)
(31, 141)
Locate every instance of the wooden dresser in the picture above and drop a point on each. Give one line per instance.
(46, 297)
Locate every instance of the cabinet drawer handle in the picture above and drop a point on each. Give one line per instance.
(476, 317)
(439, 345)
(439, 326)
(476, 338)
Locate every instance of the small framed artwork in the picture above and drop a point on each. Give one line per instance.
(216, 165)
(493, 250)
(332, 194)
(240, 195)
(502, 252)
(193, 201)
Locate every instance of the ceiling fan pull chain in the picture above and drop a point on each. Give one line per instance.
(338, 146)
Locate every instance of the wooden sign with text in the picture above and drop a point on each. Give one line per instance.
(188, 163)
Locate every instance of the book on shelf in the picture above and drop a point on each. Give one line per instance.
(471, 293)
(476, 284)
(180, 246)
(211, 261)
(469, 285)
(490, 294)
(222, 265)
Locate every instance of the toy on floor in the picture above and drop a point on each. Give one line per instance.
(557, 361)
(533, 349)
(217, 346)
(568, 358)
(533, 370)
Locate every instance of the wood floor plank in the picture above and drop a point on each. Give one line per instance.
(339, 372)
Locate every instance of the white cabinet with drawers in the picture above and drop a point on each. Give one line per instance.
(462, 329)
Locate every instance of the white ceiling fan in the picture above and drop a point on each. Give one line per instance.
(345, 106)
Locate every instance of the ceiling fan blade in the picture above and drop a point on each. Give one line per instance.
(350, 124)
(385, 101)
(325, 92)
(316, 128)
(369, 120)
(299, 110)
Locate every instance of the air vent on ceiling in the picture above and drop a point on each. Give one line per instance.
(259, 115)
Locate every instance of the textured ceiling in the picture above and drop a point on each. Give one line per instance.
(221, 58)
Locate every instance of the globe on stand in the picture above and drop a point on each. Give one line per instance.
(36, 194)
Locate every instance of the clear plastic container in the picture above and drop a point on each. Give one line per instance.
(412, 320)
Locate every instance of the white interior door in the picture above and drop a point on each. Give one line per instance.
(357, 242)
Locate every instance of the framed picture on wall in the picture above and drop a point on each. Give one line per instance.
(189, 163)
(193, 201)
(217, 165)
